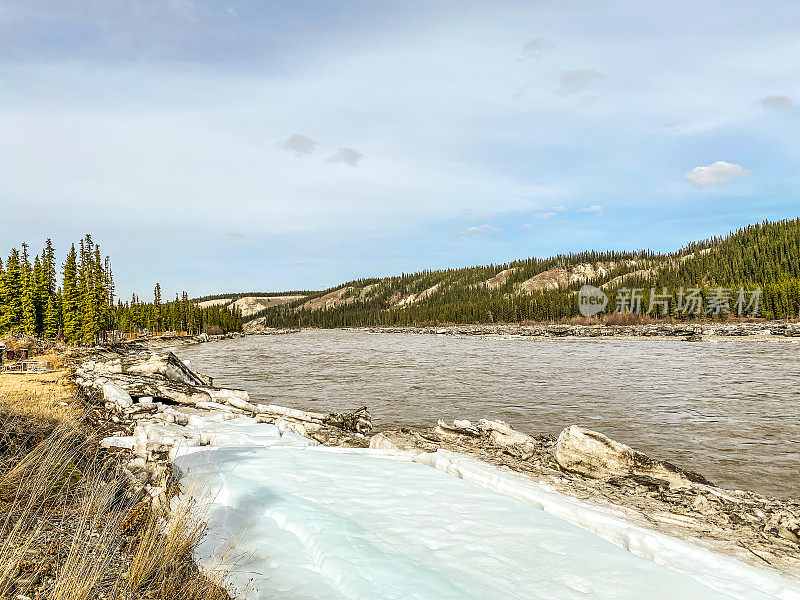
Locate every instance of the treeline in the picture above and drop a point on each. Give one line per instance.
(81, 309)
(764, 256)
(181, 314)
(236, 295)
(31, 302)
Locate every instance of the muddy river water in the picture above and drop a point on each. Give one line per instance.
(729, 409)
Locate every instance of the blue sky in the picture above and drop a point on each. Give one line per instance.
(230, 145)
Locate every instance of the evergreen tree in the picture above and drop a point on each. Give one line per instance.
(71, 298)
(11, 293)
(29, 304)
(51, 320)
(157, 319)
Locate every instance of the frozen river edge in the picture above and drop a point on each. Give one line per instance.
(226, 419)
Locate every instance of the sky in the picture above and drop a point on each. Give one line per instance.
(233, 145)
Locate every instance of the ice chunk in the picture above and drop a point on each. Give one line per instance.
(118, 441)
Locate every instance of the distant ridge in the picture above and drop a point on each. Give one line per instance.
(764, 255)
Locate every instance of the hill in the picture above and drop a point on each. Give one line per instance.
(724, 274)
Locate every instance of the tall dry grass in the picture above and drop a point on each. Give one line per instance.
(65, 520)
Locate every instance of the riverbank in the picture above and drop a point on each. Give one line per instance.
(686, 331)
(177, 411)
(71, 525)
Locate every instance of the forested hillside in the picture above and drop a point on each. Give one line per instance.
(764, 256)
(82, 308)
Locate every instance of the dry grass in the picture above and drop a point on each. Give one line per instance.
(42, 396)
(162, 562)
(65, 518)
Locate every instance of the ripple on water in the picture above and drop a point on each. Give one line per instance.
(727, 410)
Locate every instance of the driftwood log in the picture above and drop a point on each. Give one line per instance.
(153, 364)
(357, 421)
(158, 375)
(139, 386)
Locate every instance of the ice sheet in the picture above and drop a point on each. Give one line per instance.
(326, 523)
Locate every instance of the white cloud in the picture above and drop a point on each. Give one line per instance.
(559, 208)
(534, 48)
(299, 144)
(595, 208)
(349, 156)
(232, 12)
(577, 80)
(715, 173)
(780, 102)
(527, 226)
(481, 231)
(545, 215)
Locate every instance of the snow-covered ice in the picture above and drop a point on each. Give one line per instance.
(332, 523)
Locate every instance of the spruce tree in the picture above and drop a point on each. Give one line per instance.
(51, 321)
(93, 300)
(49, 267)
(29, 304)
(70, 298)
(11, 294)
(157, 307)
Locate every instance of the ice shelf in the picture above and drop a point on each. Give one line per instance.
(295, 520)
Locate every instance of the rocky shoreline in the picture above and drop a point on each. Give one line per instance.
(685, 331)
(157, 406)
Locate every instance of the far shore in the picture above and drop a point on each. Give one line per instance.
(708, 331)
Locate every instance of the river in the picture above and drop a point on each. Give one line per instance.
(728, 409)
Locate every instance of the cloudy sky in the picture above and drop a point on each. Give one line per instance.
(231, 145)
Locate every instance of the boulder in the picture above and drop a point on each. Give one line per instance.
(115, 395)
(594, 455)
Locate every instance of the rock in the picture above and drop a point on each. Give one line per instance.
(136, 464)
(594, 455)
(503, 435)
(788, 535)
(702, 505)
(116, 396)
(125, 442)
(382, 442)
(458, 428)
